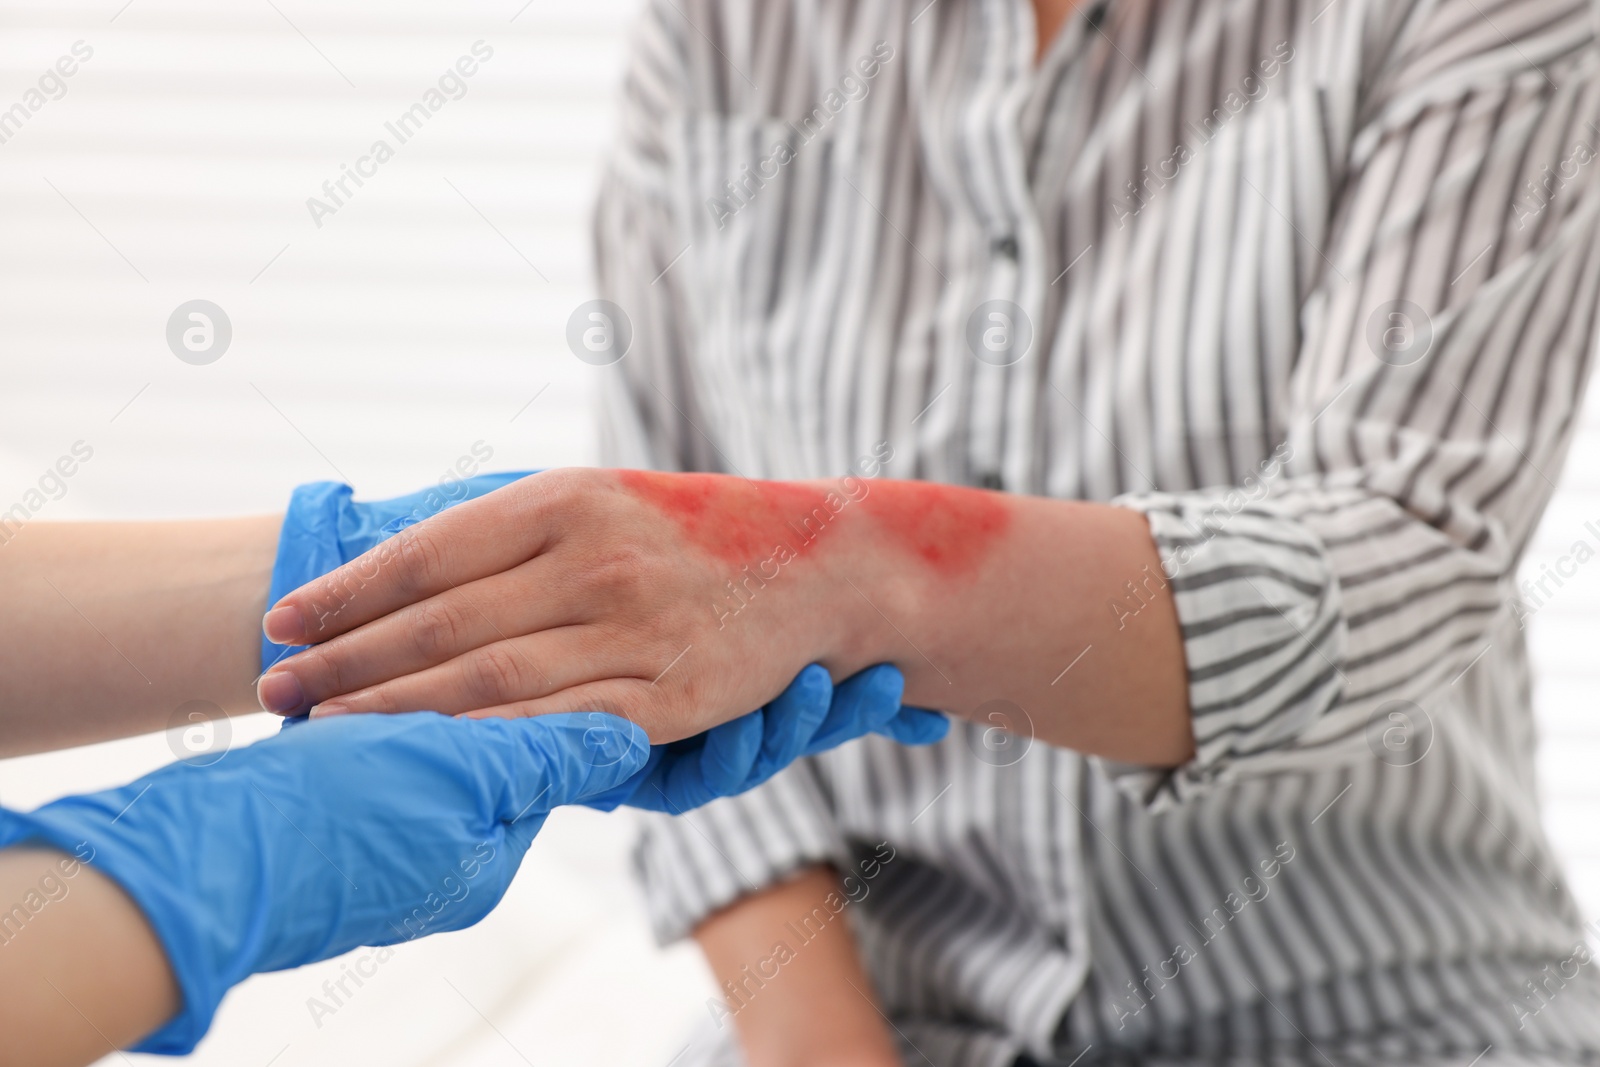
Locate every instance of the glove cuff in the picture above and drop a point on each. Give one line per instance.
(324, 528)
(308, 547)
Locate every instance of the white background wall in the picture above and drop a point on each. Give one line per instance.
(422, 317)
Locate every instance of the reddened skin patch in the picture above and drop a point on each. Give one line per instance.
(948, 529)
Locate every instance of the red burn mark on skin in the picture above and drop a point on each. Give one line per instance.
(737, 520)
(950, 528)
(740, 521)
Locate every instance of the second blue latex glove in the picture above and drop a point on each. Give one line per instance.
(360, 830)
(325, 527)
(809, 717)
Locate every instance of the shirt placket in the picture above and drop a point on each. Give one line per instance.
(1000, 322)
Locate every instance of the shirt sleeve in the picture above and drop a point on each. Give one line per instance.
(648, 407)
(1443, 356)
(694, 863)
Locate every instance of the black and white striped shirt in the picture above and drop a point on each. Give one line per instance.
(1313, 286)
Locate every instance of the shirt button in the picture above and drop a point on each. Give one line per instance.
(1005, 246)
(991, 480)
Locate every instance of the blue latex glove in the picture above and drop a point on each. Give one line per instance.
(810, 716)
(325, 527)
(358, 830)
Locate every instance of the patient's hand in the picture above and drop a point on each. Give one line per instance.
(678, 601)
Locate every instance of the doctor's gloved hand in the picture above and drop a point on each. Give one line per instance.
(362, 830)
(810, 716)
(325, 527)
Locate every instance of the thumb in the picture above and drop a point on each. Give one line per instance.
(564, 758)
(916, 726)
(862, 703)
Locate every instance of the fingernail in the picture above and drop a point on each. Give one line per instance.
(332, 707)
(284, 625)
(280, 691)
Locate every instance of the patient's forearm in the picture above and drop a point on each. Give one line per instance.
(804, 1003)
(109, 627)
(81, 972)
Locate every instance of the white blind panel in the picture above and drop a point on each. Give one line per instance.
(421, 315)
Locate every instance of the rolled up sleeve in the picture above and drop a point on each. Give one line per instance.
(1444, 352)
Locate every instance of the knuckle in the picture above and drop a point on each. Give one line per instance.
(493, 675)
(572, 482)
(652, 707)
(436, 630)
(380, 700)
(632, 702)
(620, 571)
(549, 490)
(322, 670)
(329, 597)
(421, 560)
(678, 703)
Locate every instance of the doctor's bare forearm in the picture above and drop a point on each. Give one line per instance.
(111, 626)
(81, 972)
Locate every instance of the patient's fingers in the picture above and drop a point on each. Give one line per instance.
(523, 668)
(420, 636)
(634, 699)
(453, 548)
